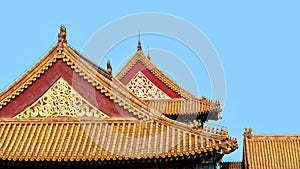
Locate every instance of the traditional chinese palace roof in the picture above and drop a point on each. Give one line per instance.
(66, 108)
(171, 98)
(268, 151)
(271, 151)
(71, 139)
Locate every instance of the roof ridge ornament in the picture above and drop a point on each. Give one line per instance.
(139, 46)
(109, 68)
(248, 133)
(148, 55)
(62, 35)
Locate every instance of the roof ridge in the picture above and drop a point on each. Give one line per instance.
(25, 81)
(276, 137)
(249, 136)
(89, 61)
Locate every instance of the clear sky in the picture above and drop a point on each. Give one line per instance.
(257, 43)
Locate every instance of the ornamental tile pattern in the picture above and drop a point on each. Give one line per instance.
(61, 100)
(143, 88)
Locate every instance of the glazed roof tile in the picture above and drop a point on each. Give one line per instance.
(151, 135)
(182, 106)
(271, 151)
(81, 140)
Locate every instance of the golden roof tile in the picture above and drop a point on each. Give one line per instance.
(183, 106)
(271, 151)
(74, 140)
(64, 137)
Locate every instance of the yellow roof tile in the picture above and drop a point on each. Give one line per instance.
(51, 139)
(271, 151)
(182, 106)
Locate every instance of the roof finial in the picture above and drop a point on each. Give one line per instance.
(139, 46)
(109, 68)
(139, 36)
(62, 36)
(148, 56)
(248, 133)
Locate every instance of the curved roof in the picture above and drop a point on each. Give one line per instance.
(203, 105)
(58, 138)
(112, 139)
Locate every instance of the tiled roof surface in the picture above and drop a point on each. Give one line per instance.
(272, 151)
(93, 65)
(231, 165)
(65, 139)
(181, 106)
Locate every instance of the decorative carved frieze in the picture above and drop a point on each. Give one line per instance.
(61, 100)
(142, 87)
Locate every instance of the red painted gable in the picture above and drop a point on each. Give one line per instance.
(139, 66)
(57, 70)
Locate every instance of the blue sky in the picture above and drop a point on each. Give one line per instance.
(257, 43)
